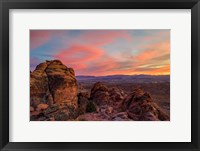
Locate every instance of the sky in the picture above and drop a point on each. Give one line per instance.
(104, 52)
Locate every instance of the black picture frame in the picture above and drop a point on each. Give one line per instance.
(5, 5)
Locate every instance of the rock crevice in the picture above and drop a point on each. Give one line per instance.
(53, 83)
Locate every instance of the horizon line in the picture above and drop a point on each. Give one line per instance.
(125, 75)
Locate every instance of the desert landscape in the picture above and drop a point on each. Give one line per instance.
(100, 75)
(58, 95)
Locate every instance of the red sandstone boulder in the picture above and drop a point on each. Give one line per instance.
(140, 107)
(99, 94)
(53, 83)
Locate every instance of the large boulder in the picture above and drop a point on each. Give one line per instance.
(140, 107)
(117, 96)
(99, 94)
(54, 83)
(62, 83)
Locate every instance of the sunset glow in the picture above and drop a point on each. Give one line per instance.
(104, 52)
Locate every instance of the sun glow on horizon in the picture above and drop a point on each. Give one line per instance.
(104, 52)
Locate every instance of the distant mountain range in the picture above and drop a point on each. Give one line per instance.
(125, 78)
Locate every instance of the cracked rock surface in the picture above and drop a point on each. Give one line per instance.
(53, 83)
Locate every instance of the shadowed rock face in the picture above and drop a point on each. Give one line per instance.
(62, 83)
(140, 107)
(53, 83)
(99, 94)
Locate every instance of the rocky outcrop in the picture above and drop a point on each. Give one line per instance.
(53, 83)
(99, 94)
(140, 106)
(97, 109)
(62, 83)
(54, 97)
(117, 96)
(39, 87)
(114, 105)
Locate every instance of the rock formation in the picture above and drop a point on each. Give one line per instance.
(54, 97)
(53, 83)
(116, 98)
(39, 87)
(114, 105)
(140, 107)
(104, 104)
(99, 94)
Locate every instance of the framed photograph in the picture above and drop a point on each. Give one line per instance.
(99, 75)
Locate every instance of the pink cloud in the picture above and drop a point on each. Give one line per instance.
(99, 38)
(86, 51)
(38, 37)
(79, 53)
(78, 66)
(104, 65)
(77, 56)
(85, 55)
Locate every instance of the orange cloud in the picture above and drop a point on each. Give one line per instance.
(91, 60)
(153, 58)
(153, 51)
(162, 70)
(165, 70)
